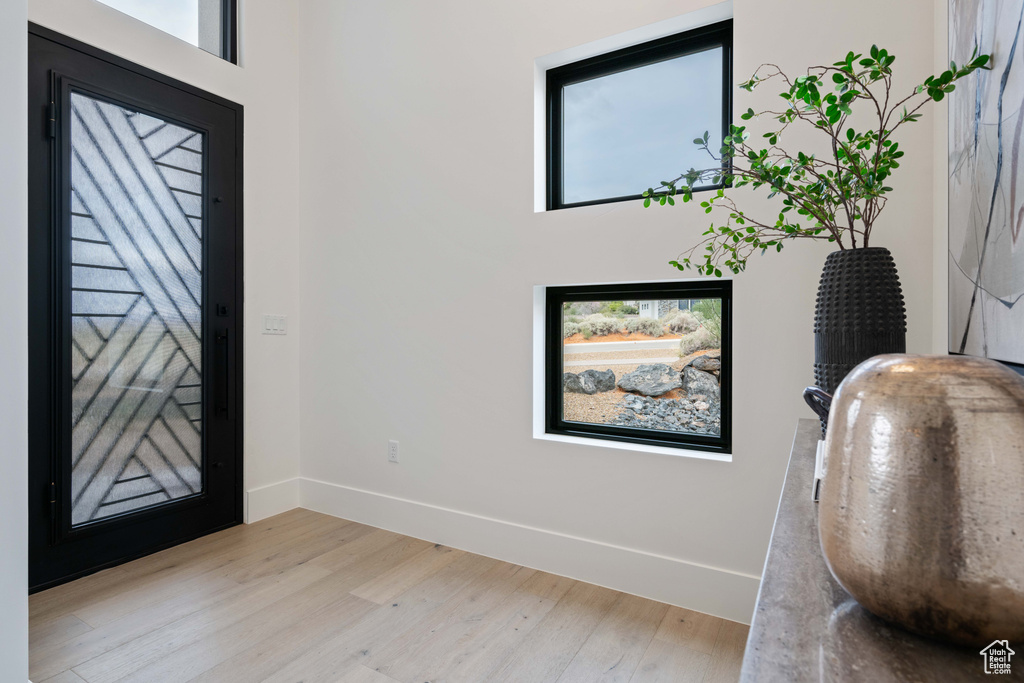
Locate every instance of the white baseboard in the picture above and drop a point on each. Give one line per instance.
(272, 499)
(711, 590)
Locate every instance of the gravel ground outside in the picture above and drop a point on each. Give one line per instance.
(601, 408)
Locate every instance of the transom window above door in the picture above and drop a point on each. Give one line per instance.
(207, 24)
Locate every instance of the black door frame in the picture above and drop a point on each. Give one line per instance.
(48, 520)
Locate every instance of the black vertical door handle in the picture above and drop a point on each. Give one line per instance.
(225, 384)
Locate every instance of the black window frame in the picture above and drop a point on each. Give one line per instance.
(553, 396)
(229, 30)
(699, 39)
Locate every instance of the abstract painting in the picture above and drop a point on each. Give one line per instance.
(986, 183)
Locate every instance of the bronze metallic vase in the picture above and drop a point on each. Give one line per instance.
(922, 507)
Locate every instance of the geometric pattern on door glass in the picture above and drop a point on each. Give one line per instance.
(136, 310)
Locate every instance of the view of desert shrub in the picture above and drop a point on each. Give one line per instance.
(603, 325)
(645, 326)
(622, 320)
(698, 340)
(680, 321)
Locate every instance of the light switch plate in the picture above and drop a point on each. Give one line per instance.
(275, 324)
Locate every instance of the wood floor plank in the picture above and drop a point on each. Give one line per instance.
(548, 586)
(313, 604)
(48, 658)
(331, 659)
(58, 601)
(694, 630)
(275, 652)
(56, 631)
(667, 663)
(170, 566)
(180, 603)
(361, 674)
(123, 660)
(395, 581)
(65, 677)
(341, 557)
(544, 655)
(727, 657)
(300, 548)
(418, 651)
(102, 612)
(308, 597)
(184, 572)
(487, 646)
(614, 650)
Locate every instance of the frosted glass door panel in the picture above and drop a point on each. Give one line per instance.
(136, 310)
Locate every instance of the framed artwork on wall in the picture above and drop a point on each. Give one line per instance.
(986, 183)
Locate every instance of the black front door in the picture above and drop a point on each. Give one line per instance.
(135, 303)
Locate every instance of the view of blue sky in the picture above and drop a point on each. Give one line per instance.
(627, 131)
(180, 18)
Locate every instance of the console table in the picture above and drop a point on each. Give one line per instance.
(806, 627)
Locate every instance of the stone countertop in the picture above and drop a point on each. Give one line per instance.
(806, 627)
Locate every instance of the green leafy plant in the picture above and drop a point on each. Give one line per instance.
(699, 340)
(612, 308)
(708, 333)
(709, 313)
(835, 197)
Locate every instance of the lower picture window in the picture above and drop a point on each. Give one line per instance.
(645, 363)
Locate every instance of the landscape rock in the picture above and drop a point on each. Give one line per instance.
(670, 414)
(571, 383)
(651, 380)
(595, 381)
(700, 383)
(707, 364)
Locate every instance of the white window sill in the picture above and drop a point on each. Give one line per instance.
(636, 447)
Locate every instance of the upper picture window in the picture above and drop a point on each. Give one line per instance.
(621, 122)
(207, 24)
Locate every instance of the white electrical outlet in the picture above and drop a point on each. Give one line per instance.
(392, 451)
(275, 324)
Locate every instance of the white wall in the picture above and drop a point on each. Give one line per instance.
(266, 85)
(417, 192)
(13, 345)
(940, 186)
(400, 136)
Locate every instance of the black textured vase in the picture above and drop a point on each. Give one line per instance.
(859, 314)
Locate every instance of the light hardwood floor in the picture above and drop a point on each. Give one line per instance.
(308, 597)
